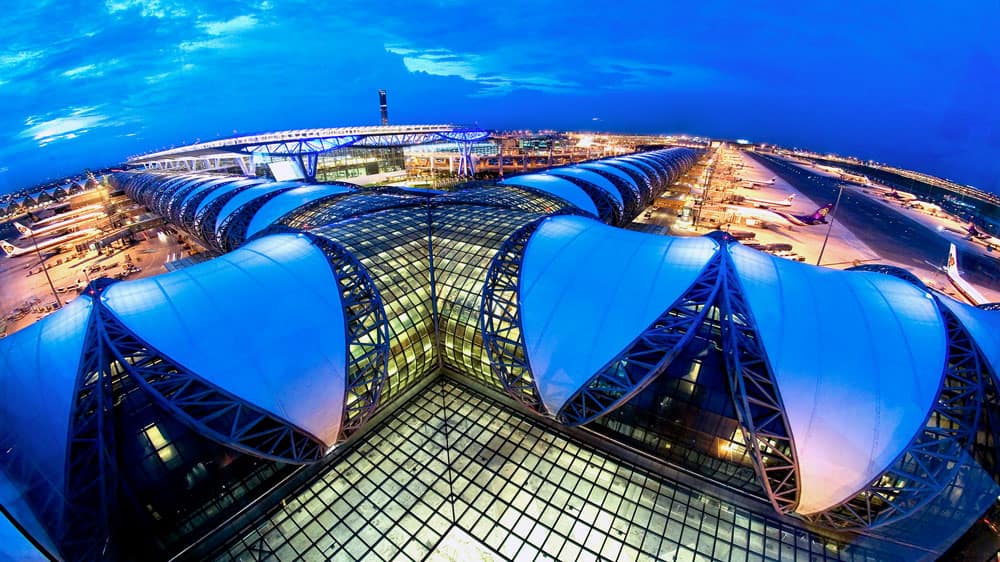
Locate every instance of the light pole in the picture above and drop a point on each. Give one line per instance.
(833, 214)
(45, 269)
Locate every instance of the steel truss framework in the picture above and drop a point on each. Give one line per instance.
(188, 212)
(173, 207)
(515, 197)
(306, 146)
(206, 408)
(649, 355)
(657, 178)
(500, 319)
(893, 271)
(91, 467)
(204, 222)
(629, 193)
(609, 210)
(367, 331)
(755, 396)
(931, 459)
(111, 352)
(233, 230)
(340, 206)
(640, 179)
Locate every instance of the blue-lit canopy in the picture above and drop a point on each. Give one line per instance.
(588, 289)
(260, 322)
(858, 358)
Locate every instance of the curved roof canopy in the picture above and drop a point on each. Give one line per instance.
(858, 358)
(589, 176)
(982, 325)
(39, 367)
(246, 196)
(611, 170)
(564, 189)
(289, 201)
(219, 191)
(588, 290)
(261, 322)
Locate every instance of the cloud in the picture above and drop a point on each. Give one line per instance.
(147, 8)
(217, 43)
(229, 27)
(19, 58)
(476, 68)
(80, 71)
(78, 121)
(155, 78)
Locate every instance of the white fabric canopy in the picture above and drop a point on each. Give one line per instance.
(246, 196)
(858, 358)
(559, 187)
(590, 176)
(263, 322)
(288, 201)
(588, 290)
(982, 325)
(38, 375)
(611, 170)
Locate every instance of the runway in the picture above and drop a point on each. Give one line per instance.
(888, 232)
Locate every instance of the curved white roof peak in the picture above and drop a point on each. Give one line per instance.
(858, 358)
(590, 176)
(618, 173)
(562, 188)
(587, 290)
(260, 322)
(289, 201)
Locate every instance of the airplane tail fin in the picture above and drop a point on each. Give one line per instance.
(820, 214)
(8, 248)
(25, 231)
(952, 265)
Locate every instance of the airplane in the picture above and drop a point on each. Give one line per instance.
(754, 183)
(961, 285)
(786, 219)
(901, 195)
(66, 215)
(973, 234)
(763, 203)
(924, 206)
(55, 227)
(13, 251)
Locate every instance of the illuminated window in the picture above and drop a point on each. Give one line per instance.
(164, 449)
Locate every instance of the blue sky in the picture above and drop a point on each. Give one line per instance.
(913, 84)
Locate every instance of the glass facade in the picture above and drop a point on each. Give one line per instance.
(348, 163)
(686, 417)
(465, 241)
(454, 459)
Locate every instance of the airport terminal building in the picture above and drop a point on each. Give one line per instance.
(501, 369)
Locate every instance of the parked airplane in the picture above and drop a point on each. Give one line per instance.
(901, 195)
(924, 206)
(972, 232)
(779, 218)
(66, 215)
(763, 203)
(961, 285)
(13, 251)
(754, 183)
(55, 227)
